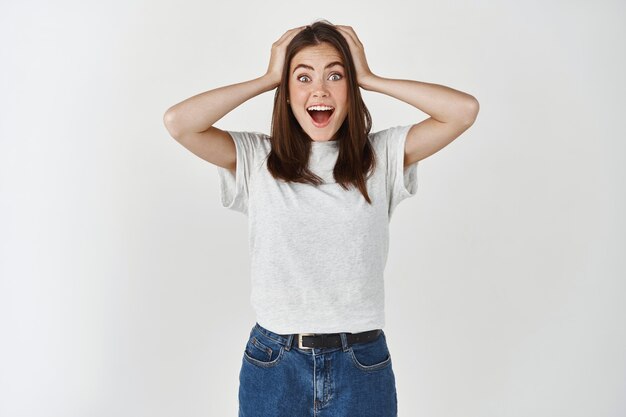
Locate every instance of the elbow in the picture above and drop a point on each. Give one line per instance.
(471, 110)
(169, 121)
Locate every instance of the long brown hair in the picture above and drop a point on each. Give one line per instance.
(291, 145)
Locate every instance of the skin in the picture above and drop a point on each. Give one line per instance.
(318, 85)
(451, 111)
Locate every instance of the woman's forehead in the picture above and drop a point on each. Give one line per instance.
(316, 54)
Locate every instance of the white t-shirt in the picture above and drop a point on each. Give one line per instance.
(318, 253)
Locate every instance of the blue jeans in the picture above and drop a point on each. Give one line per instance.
(279, 379)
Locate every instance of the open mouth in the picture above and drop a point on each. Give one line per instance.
(320, 118)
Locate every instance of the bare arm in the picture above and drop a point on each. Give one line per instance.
(191, 121)
(451, 111)
(198, 113)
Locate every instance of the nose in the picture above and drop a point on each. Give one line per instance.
(320, 93)
(320, 89)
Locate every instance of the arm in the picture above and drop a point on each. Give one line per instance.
(451, 111)
(198, 113)
(191, 121)
(442, 103)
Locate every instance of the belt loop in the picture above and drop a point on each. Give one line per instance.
(289, 342)
(344, 341)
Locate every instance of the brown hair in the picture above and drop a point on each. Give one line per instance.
(291, 145)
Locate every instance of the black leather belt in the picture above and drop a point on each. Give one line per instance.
(326, 340)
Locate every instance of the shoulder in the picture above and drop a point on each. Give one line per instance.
(248, 135)
(386, 138)
(393, 131)
(251, 141)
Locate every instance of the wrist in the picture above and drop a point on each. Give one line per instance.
(270, 82)
(368, 83)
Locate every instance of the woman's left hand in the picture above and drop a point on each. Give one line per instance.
(363, 72)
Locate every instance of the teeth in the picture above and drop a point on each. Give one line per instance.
(320, 108)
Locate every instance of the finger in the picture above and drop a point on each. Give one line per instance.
(344, 30)
(350, 32)
(289, 33)
(348, 36)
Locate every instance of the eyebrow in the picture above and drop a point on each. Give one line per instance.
(332, 64)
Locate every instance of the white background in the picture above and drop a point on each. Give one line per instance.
(124, 284)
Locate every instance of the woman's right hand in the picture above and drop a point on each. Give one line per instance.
(277, 60)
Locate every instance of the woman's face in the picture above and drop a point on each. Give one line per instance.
(314, 79)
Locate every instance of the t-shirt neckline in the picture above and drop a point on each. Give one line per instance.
(325, 143)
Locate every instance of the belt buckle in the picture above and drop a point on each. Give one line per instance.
(300, 340)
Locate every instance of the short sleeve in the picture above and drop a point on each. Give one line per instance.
(401, 180)
(251, 147)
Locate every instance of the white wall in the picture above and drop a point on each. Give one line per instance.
(124, 285)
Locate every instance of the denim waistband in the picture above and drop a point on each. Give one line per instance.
(282, 338)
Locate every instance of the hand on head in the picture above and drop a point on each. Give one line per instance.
(357, 51)
(277, 59)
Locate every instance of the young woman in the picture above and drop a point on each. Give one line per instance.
(319, 193)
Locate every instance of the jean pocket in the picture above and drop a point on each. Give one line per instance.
(262, 351)
(371, 356)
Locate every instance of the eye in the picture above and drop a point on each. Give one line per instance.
(332, 75)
